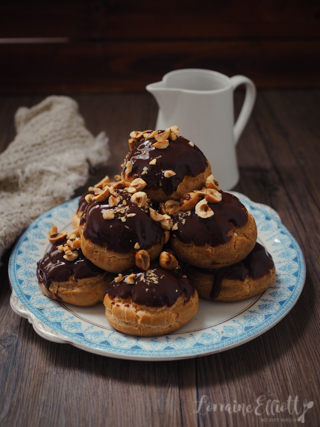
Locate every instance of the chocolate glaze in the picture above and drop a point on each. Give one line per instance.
(54, 268)
(256, 265)
(179, 156)
(82, 201)
(116, 235)
(156, 287)
(214, 230)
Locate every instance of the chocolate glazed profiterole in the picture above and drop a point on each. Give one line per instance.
(120, 229)
(212, 229)
(150, 303)
(97, 190)
(64, 274)
(250, 277)
(169, 163)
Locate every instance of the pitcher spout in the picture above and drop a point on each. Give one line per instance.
(165, 97)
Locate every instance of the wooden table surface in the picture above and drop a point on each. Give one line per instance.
(48, 384)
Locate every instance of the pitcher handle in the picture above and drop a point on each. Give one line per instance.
(248, 103)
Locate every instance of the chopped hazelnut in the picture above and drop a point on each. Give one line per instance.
(174, 227)
(166, 222)
(156, 216)
(211, 182)
(74, 244)
(203, 210)
(130, 279)
(151, 134)
(139, 198)
(138, 184)
(131, 190)
(108, 214)
(136, 134)
(175, 129)
(188, 201)
(163, 136)
(128, 168)
(171, 206)
(213, 196)
(169, 173)
(167, 260)
(70, 255)
(118, 185)
(54, 236)
(89, 197)
(161, 145)
(144, 170)
(142, 259)
(104, 194)
(119, 278)
(114, 201)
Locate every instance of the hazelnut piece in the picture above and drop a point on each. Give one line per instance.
(161, 145)
(211, 182)
(169, 173)
(213, 196)
(138, 184)
(142, 259)
(103, 195)
(54, 236)
(156, 216)
(203, 210)
(108, 214)
(163, 136)
(139, 198)
(167, 260)
(171, 206)
(188, 201)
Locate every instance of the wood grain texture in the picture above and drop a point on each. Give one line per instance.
(168, 19)
(100, 46)
(42, 383)
(86, 67)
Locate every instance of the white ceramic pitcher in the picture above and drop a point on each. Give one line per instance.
(200, 103)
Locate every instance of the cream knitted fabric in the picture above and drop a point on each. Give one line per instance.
(48, 159)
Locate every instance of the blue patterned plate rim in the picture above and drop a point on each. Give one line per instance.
(219, 326)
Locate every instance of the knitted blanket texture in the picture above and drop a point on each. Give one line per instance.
(47, 161)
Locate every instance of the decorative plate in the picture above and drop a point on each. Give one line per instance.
(216, 327)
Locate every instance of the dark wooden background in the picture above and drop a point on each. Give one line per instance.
(103, 54)
(121, 45)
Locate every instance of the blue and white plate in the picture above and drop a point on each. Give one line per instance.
(216, 327)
